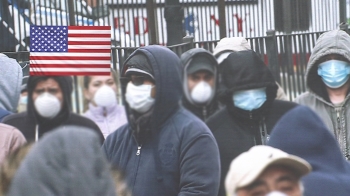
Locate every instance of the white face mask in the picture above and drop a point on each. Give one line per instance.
(139, 97)
(276, 193)
(47, 105)
(105, 96)
(201, 93)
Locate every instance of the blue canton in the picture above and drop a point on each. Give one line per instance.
(48, 39)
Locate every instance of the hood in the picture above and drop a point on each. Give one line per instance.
(244, 70)
(166, 67)
(10, 83)
(302, 133)
(230, 44)
(66, 84)
(332, 42)
(66, 161)
(186, 59)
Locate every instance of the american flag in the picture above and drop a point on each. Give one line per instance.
(70, 50)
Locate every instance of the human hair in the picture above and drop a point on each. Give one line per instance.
(120, 183)
(10, 165)
(114, 74)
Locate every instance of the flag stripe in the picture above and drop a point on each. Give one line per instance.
(88, 43)
(72, 62)
(71, 66)
(80, 32)
(91, 35)
(98, 39)
(89, 28)
(72, 69)
(70, 58)
(90, 50)
(65, 73)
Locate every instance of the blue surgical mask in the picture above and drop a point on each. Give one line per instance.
(249, 99)
(334, 73)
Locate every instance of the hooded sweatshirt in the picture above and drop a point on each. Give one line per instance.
(334, 116)
(30, 122)
(10, 85)
(66, 161)
(301, 132)
(228, 45)
(205, 110)
(10, 139)
(237, 130)
(177, 155)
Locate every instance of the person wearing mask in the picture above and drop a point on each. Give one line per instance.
(10, 85)
(266, 171)
(49, 106)
(327, 81)
(164, 149)
(66, 161)
(228, 45)
(101, 92)
(302, 133)
(199, 82)
(248, 91)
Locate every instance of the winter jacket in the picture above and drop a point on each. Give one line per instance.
(177, 155)
(206, 110)
(10, 139)
(334, 116)
(109, 119)
(10, 83)
(237, 130)
(301, 132)
(30, 121)
(67, 161)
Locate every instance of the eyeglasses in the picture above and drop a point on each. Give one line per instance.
(136, 80)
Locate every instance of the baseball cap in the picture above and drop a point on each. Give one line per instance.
(199, 64)
(248, 166)
(139, 64)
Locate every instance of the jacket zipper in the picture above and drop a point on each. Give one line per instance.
(342, 134)
(138, 152)
(204, 113)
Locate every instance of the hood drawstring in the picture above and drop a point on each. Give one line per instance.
(36, 133)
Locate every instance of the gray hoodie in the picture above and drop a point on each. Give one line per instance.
(10, 83)
(66, 161)
(334, 116)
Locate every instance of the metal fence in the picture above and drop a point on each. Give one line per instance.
(136, 23)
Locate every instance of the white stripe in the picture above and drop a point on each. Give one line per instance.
(89, 32)
(69, 54)
(90, 39)
(89, 46)
(69, 62)
(70, 69)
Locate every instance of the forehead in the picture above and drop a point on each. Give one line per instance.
(100, 78)
(47, 83)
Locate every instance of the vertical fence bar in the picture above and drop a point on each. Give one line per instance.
(272, 54)
(342, 11)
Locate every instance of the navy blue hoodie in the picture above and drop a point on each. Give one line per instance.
(179, 155)
(302, 133)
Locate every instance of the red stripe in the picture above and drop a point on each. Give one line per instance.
(70, 73)
(69, 58)
(108, 43)
(89, 27)
(88, 35)
(70, 66)
(90, 50)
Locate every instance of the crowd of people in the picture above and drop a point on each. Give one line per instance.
(202, 124)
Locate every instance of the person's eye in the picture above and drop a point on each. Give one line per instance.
(39, 91)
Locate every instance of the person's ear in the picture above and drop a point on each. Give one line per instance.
(87, 94)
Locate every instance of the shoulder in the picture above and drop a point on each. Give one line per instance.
(14, 119)
(304, 98)
(217, 117)
(81, 120)
(11, 134)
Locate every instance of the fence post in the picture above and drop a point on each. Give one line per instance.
(222, 18)
(342, 11)
(152, 35)
(71, 12)
(188, 39)
(173, 14)
(272, 54)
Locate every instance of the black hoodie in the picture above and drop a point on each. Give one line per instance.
(209, 108)
(302, 133)
(237, 130)
(27, 121)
